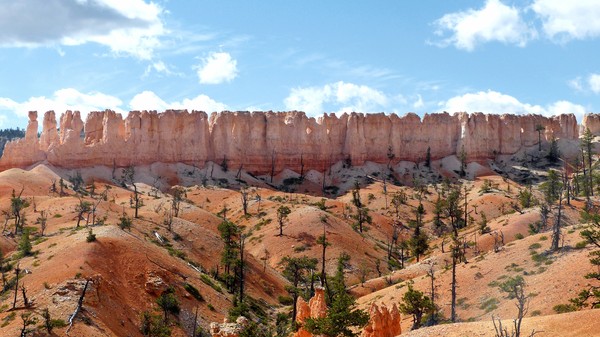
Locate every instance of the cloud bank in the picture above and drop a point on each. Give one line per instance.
(131, 27)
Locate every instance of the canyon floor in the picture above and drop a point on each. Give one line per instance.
(128, 269)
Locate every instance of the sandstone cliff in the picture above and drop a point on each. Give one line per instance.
(258, 139)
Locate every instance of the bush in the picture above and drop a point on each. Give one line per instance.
(58, 323)
(91, 237)
(563, 308)
(519, 236)
(285, 300)
(125, 222)
(153, 325)
(193, 291)
(169, 302)
(486, 187)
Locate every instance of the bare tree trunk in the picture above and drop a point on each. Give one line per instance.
(79, 305)
(453, 285)
(17, 271)
(556, 227)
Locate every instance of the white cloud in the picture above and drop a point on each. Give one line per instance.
(494, 102)
(576, 83)
(419, 102)
(594, 82)
(591, 83)
(71, 99)
(148, 100)
(217, 68)
(494, 22)
(62, 100)
(131, 27)
(160, 68)
(569, 19)
(339, 97)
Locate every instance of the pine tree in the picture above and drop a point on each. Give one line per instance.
(229, 257)
(342, 316)
(296, 271)
(25, 244)
(415, 303)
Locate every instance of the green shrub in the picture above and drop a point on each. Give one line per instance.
(563, 308)
(285, 300)
(519, 236)
(58, 323)
(125, 222)
(208, 281)
(91, 237)
(193, 291)
(489, 304)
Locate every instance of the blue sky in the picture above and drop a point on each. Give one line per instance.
(496, 56)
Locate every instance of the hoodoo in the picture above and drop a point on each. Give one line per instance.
(256, 140)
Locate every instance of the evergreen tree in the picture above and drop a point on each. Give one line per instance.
(553, 154)
(418, 243)
(587, 148)
(416, 304)
(25, 244)
(229, 257)
(169, 303)
(296, 271)
(282, 215)
(342, 316)
(483, 224)
(539, 128)
(591, 295)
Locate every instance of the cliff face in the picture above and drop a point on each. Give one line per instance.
(286, 139)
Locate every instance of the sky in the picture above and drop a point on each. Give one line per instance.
(493, 56)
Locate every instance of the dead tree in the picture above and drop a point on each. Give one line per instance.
(26, 301)
(79, 305)
(17, 272)
(244, 195)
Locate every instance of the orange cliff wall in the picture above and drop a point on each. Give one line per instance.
(255, 139)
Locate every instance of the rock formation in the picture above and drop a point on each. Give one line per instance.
(315, 308)
(592, 122)
(258, 139)
(383, 322)
(227, 329)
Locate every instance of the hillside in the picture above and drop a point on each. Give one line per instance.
(130, 268)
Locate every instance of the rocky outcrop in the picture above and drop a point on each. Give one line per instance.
(258, 140)
(25, 151)
(592, 122)
(227, 329)
(315, 308)
(383, 322)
